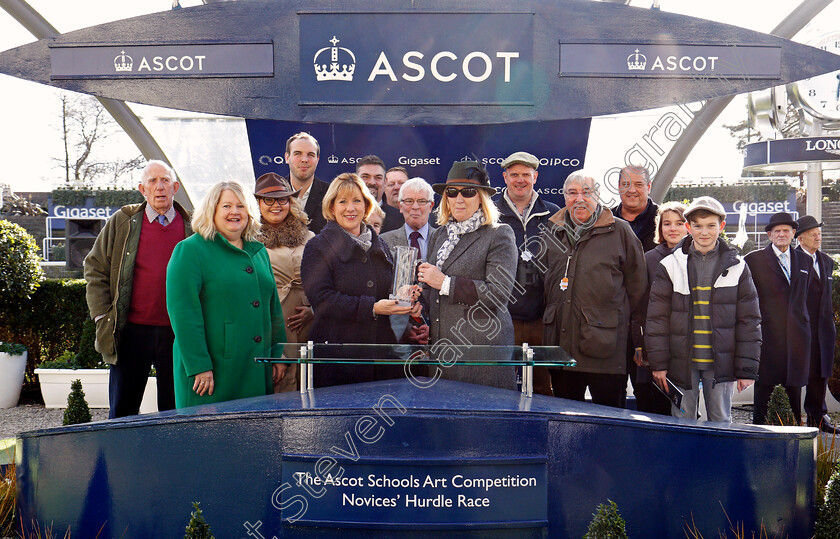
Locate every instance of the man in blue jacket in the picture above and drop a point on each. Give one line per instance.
(524, 211)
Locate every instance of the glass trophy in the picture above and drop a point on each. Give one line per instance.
(405, 268)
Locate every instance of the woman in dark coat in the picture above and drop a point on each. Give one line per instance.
(347, 276)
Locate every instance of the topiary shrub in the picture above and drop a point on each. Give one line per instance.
(828, 515)
(198, 527)
(606, 523)
(779, 411)
(20, 265)
(88, 357)
(77, 407)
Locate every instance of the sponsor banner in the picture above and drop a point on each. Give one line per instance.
(171, 60)
(61, 212)
(429, 151)
(646, 60)
(418, 496)
(758, 211)
(792, 151)
(469, 58)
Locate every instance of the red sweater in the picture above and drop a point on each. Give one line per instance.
(148, 292)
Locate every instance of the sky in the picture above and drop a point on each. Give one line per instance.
(30, 140)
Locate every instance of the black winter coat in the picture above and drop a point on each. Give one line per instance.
(785, 324)
(527, 299)
(735, 320)
(821, 313)
(644, 225)
(342, 282)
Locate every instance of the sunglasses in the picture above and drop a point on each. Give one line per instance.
(466, 192)
(272, 201)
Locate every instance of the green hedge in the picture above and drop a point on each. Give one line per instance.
(730, 193)
(49, 322)
(103, 197)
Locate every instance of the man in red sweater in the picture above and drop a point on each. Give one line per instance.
(126, 290)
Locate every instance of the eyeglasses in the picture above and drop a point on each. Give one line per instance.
(410, 202)
(466, 192)
(271, 201)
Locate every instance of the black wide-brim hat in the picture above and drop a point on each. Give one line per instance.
(466, 174)
(271, 185)
(781, 218)
(806, 222)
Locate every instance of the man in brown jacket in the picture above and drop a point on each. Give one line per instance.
(595, 276)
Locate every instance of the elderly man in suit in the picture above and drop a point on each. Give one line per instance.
(416, 199)
(821, 313)
(781, 276)
(302, 155)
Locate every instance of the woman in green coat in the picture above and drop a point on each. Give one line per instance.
(223, 304)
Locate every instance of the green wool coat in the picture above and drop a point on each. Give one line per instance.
(225, 311)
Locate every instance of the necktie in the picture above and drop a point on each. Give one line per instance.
(414, 241)
(816, 267)
(162, 220)
(783, 260)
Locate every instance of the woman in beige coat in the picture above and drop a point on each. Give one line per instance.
(284, 234)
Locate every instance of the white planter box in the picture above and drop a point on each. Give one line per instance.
(55, 387)
(11, 378)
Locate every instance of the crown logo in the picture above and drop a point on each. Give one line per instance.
(332, 160)
(636, 62)
(332, 71)
(123, 62)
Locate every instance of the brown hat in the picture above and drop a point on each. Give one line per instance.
(271, 185)
(466, 174)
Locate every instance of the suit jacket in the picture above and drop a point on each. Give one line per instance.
(393, 217)
(785, 325)
(313, 205)
(397, 237)
(482, 268)
(821, 312)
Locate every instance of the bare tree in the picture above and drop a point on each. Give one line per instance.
(85, 126)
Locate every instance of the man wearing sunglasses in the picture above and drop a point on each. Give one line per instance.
(522, 208)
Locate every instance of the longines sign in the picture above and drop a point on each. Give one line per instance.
(152, 61)
(639, 60)
(467, 59)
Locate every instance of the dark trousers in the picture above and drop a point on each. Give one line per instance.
(815, 398)
(648, 398)
(140, 347)
(761, 398)
(606, 389)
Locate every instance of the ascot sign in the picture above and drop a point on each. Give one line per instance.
(351, 65)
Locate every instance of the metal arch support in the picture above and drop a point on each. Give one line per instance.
(38, 26)
(793, 23)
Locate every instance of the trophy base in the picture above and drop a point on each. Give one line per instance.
(402, 302)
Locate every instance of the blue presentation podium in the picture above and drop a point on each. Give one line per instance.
(390, 459)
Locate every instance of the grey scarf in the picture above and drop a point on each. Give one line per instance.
(363, 240)
(455, 230)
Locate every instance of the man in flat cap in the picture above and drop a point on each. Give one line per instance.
(781, 276)
(821, 313)
(522, 208)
